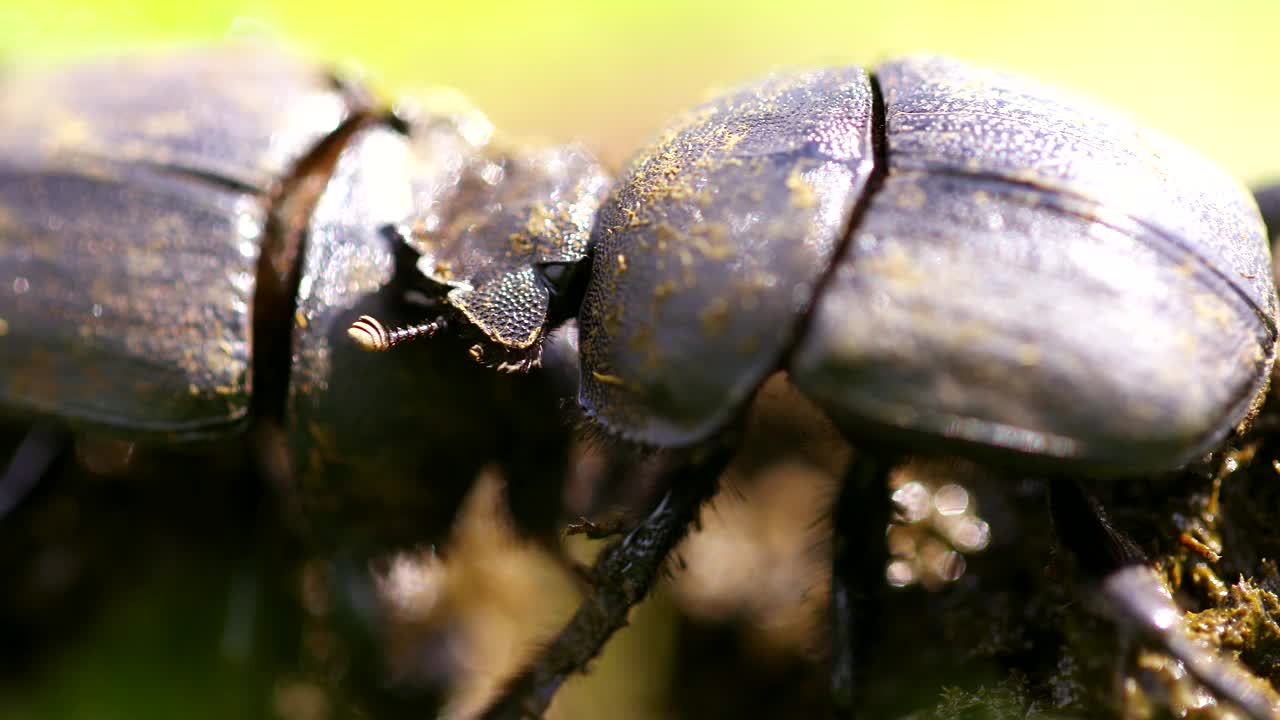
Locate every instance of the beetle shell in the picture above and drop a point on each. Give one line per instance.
(712, 246)
(353, 434)
(1041, 275)
(1029, 274)
(120, 181)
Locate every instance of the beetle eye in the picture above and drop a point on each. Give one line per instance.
(556, 275)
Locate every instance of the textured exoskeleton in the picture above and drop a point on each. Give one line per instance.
(946, 259)
(1028, 275)
(943, 258)
(185, 239)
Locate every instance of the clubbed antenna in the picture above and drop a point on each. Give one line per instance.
(372, 335)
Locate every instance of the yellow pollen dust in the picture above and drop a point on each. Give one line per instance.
(608, 379)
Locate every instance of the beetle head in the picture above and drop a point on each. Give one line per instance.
(507, 257)
(498, 233)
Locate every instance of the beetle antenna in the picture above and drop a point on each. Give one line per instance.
(372, 335)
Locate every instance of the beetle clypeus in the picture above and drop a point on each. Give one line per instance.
(945, 259)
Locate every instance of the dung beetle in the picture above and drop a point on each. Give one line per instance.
(943, 258)
(265, 191)
(184, 240)
(946, 259)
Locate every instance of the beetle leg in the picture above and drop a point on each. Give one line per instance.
(105, 455)
(597, 530)
(859, 554)
(1083, 527)
(624, 572)
(1136, 598)
(30, 462)
(1143, 605)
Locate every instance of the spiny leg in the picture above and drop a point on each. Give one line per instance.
(1139, 601)
(623, 575)
(859, 554)
(1083, 527)
(1143, 605)
(37, 452)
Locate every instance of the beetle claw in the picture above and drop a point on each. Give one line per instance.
(1142, 603)
(596, 530)
(624, 572)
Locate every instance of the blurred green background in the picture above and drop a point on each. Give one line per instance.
(609, 74)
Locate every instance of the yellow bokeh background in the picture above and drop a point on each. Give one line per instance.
(609, 73)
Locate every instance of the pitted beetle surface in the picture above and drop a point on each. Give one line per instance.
(1038, 274)
(1021, 276)
(712, 246)
(941, 257)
